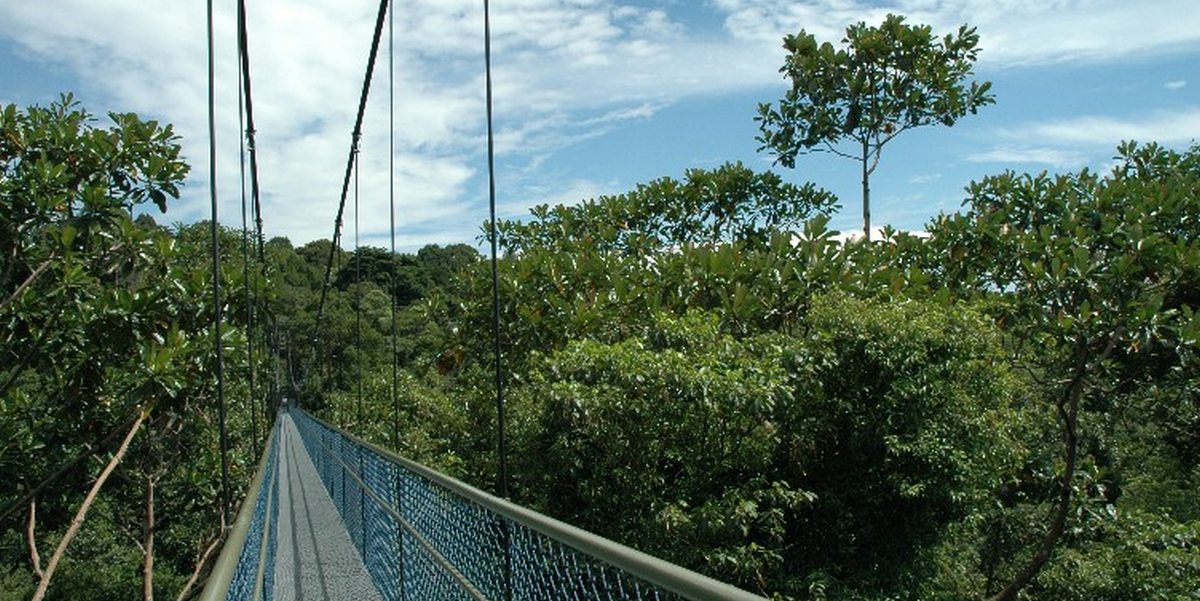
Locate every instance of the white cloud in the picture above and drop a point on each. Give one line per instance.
(1047, 156)
(1075, 142)
(1164, 127)
(1177, 84)
(572, 193)
(566, 71)
(1011, 31)
(924, 178)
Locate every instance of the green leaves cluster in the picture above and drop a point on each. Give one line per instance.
(901, 409)
(885, 81)
(708, 207)
(760, 459)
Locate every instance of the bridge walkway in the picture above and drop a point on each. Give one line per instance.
(315, 559)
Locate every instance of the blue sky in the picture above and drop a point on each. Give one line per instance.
(592, 97)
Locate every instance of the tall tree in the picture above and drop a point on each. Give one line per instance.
(884, 81)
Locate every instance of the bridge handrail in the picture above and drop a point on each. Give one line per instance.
(655, 571)
(216, 587)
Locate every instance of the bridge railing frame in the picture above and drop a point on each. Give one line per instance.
(225, 569)
(665, 576)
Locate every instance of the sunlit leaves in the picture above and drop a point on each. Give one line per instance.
(729, 204)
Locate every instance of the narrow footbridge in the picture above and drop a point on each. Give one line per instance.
(328, 516)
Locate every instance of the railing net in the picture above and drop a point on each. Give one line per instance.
(421, 540)
(256, 563)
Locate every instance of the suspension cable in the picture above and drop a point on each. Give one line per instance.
(216, 266)
(356, 135)
(502, 449)
(358, 289)
(250, 367)
(392, 228)
(358, 304)
(244, 52)
(392, 216)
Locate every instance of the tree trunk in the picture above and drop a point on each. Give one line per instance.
(148, 544)
(866, 190)
(35, 560)
(80, 515)
(1068, 409)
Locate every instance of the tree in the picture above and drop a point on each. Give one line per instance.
(768, 459)
(1099, 284)
(104, 340)
(439, 265)
(887, 80)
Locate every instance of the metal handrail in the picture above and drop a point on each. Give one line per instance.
(660, 573)
(216, 587)
(412, 531)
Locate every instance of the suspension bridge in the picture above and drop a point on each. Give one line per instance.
(330, 516)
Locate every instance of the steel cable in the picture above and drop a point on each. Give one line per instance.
(355, 137)
(216, 265)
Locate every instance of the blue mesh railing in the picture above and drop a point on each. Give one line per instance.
(245, 569)
(425, 536)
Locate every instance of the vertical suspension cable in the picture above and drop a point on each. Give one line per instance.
(362, 507)
(501, 448)
(392, 216)
(330, 366)
(392, 228)
(357, 302)
(216, 267)
(269, 341)
(252, 404)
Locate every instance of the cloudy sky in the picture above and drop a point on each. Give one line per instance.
(592, 96)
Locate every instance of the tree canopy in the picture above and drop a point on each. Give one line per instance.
(698, 367)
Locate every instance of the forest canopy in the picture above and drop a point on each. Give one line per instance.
(699, 368)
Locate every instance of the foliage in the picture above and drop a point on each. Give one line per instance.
(726, 204)
(1133, 556)
(106, 317)
(66, 180)
(699, 368)
(1096, 279)
(765, 458)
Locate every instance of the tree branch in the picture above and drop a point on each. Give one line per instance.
(29, 280)
(148, 545)
(830, 149)
(201, 561)
(34, 559)
(879, 143)
(81, 515)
